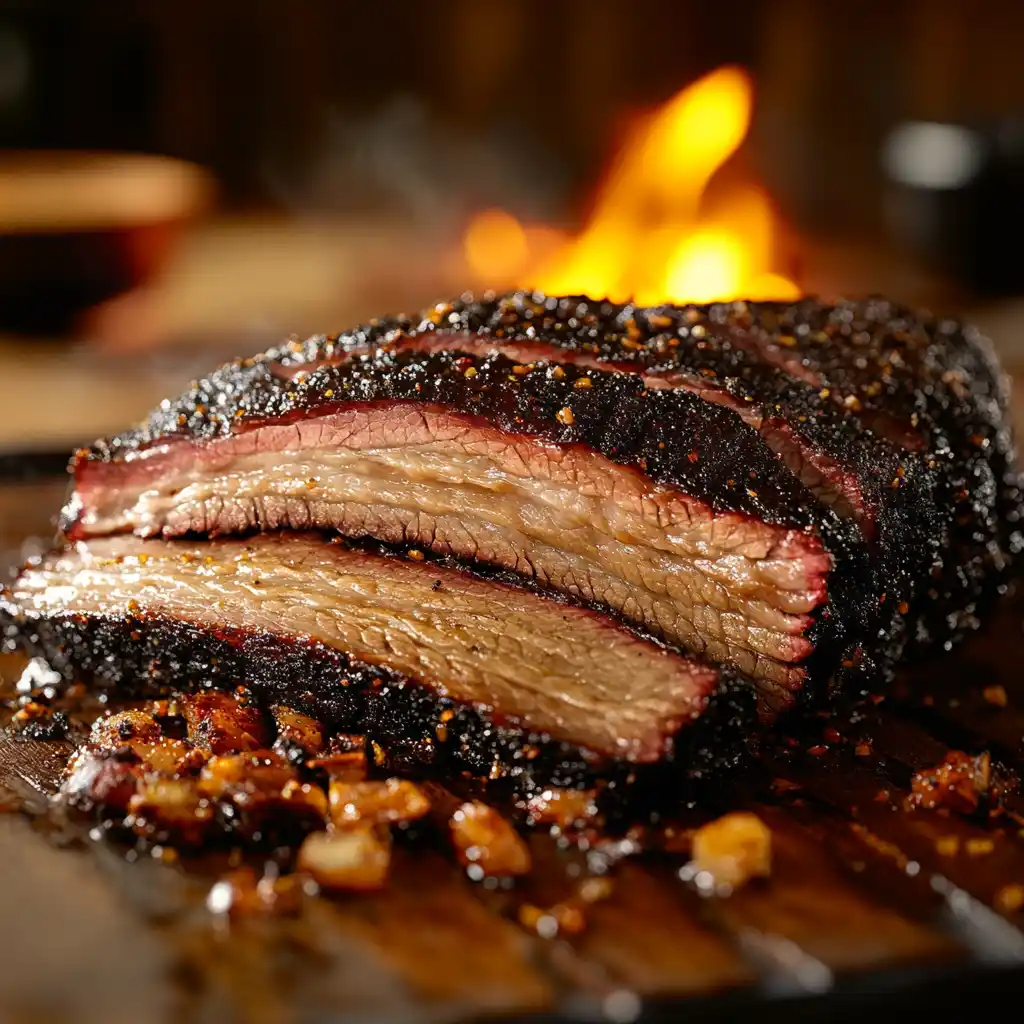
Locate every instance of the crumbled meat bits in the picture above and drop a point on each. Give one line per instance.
(355, 859)
(299, 737)
(729, 852)
(486, 843)
(213, 771)
(377, 801)
(959, 783)
(36, 721)
(564, 808)
(222, 724)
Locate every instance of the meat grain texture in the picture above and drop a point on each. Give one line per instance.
(476, 642)
(805, 492)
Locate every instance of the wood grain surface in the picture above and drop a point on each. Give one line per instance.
(864, 890)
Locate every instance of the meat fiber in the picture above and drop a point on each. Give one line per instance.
(796, 490)
(727, 585)
(359, 638)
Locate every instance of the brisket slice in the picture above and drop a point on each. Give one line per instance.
(792, 489)
(340, 625)
(725, 584)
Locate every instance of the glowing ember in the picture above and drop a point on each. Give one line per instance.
(649, 237)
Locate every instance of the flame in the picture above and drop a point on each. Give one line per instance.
(649, 237)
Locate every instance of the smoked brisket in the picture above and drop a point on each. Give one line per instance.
(798, 490)
(484, 674)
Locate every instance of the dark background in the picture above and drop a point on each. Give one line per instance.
(351, 144)
(518, 102)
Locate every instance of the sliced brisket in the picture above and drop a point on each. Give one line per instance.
(729, 584)
(792, 489)
(365, 640)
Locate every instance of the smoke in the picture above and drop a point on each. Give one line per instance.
(402, 163)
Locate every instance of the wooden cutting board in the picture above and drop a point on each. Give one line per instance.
(865, 895)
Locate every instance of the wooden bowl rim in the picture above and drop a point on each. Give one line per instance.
(65, 191)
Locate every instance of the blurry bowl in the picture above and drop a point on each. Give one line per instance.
(955, 201)
(78, 228)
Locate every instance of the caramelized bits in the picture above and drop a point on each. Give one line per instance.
(297, 733)
(733, 850)
(246, 777)
(220, 723)
(345, 760)
(306, 795)
(96, 780)
(959, 782)
(174, 808)
(115, 731)
(562, 807)
(354, 859)
(168, 756)
(484, 840)
(387, 801)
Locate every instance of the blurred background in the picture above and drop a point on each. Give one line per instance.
(182, 182)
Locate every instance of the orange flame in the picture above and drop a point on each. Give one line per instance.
(648, 238)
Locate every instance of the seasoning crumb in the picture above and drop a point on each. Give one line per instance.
(958, 783)
(1010, 898)
(564, 415)
(947, 846)
(733, 849)
(995, 695)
